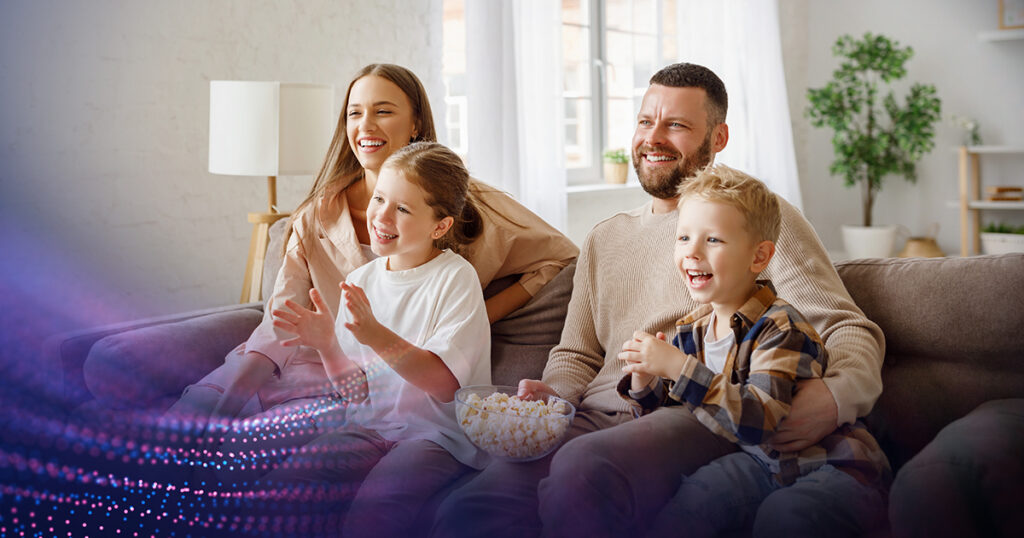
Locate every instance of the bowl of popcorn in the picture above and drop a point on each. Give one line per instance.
(509, 428)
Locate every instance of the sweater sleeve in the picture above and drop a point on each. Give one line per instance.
(806, 278)
(579, 356)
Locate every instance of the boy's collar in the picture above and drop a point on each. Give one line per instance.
(757, 305)
(750, 312)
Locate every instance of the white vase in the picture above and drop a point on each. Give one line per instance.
(869, 241)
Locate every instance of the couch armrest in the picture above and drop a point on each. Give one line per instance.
(70, 350)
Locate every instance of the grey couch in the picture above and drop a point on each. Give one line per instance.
(954, 331)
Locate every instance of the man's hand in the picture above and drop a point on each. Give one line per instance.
(812, 416)
(651, 356)
(530, 389)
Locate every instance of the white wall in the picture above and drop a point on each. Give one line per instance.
(984, 80)
(107, 208)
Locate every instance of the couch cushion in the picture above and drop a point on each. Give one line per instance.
(135, 369)
(520, 343)
(954, 339)
(275, 256)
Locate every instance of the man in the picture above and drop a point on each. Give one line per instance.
(606, 480)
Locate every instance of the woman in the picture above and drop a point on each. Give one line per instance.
(385, 109)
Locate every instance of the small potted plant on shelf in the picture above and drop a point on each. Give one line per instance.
(1001, 238)
(616, 165)
(873, 136)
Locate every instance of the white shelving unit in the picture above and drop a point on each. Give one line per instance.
(970, 201)
(1001, 35)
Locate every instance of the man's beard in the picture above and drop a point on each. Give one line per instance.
(666, 184)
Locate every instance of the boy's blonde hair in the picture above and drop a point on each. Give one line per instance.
(759, 205)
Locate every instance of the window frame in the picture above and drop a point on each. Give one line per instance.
(597, 29)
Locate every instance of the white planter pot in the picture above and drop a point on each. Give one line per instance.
(992, 243)
(869, 241)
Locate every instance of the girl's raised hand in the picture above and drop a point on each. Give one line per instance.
(364, 326)
(313, 328)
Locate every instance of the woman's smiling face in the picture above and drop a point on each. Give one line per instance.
(379, 120)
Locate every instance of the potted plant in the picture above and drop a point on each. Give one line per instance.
(1001, 239)
(873, 136)
(616, 165)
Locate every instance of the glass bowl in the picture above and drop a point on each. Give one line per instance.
(509, 429)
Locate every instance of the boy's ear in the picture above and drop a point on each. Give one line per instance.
(442, 227)
(762, 255)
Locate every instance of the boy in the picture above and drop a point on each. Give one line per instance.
(735, 363)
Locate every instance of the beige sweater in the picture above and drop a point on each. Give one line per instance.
(626, 280)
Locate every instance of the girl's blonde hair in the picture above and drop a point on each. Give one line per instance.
(757, 203)
(444, 178)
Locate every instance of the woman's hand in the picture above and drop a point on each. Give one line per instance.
(314, 328)
(648, 356)
(364, 326)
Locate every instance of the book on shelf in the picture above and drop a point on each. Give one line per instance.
(1003, 189)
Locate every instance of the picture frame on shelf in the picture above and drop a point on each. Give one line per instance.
(1011, 14)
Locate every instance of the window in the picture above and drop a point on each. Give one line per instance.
(610, 49)
(453, 71)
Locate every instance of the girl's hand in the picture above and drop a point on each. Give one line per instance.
(650, 355)
(313, 328)
(367, 330)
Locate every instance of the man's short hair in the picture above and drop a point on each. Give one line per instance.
(687, 75)
(757, 203)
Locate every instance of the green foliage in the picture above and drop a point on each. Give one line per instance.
(1001, 228)
(617, 155)
(872, 136)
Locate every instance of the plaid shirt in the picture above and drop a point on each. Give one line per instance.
(775, 347)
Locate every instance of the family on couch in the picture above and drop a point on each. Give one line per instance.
(617, 471)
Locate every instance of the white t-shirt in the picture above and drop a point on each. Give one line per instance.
(716, 352)
(438, 307)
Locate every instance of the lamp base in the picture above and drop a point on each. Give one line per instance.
(252, 286)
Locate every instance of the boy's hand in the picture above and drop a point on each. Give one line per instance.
(651, 355)
(313, 328)
(364, 325)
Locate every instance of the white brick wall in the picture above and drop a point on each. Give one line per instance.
(105, 197)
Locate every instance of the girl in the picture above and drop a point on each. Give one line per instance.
(412, 328)
(385, 109)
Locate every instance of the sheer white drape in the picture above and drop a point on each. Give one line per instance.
(739, 40)
(513, 91)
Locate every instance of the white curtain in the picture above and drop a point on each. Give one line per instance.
(513, 91)
(739, 40)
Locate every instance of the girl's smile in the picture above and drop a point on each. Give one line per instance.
(402, 225)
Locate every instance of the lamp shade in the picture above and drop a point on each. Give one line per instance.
(269, 128)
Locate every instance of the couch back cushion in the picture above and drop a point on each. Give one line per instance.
(520, 343)
(954, 332)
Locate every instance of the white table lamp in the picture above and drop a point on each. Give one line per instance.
(267, 129)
